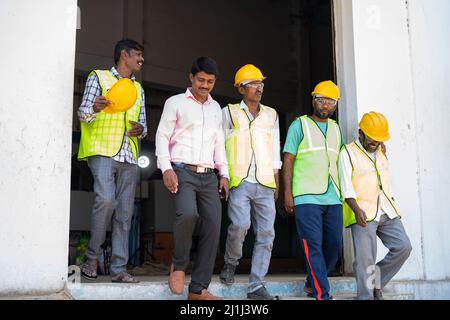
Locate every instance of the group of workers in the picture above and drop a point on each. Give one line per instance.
(207, 154)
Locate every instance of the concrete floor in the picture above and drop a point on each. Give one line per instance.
(288, 286)
(239, 278)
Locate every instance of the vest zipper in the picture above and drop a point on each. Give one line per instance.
(253, 152)
(125, 129)
(328, 157)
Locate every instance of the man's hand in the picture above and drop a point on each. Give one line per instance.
(223, 188)
(289, 202)
(360, 215)
(277, 184)
(170, 180)
(100, 103)
(136, 129)
(361, 218)
(288, 165)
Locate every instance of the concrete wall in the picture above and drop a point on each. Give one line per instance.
(429, 27)
(392, 59)
(37, 62)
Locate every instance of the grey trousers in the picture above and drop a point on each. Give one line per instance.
(197, 204)
(114, 187)
(369, 275)
(251, 202)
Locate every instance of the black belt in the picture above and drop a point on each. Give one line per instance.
(197, 169)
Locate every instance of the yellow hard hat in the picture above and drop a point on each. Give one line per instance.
(375, 126)
(248, 72)
(327, 89)
(122, 96)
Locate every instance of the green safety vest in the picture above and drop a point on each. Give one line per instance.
(248, 139)
(104, 135)
(317, 159)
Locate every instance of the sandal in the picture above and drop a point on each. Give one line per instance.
(124, 277)
(89, 269)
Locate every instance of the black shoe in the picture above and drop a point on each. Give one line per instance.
(308, 289)
(261, 294)
(377, 294)
(227, 274)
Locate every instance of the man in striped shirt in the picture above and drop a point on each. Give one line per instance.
(109, 144)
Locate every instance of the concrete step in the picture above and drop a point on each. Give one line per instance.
(155, 288)
(63, 295)
(352, 296)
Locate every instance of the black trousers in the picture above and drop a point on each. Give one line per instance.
(197, 203)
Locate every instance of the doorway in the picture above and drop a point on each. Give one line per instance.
(292, 43)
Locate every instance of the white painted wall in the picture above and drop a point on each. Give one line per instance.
(401, 70)
(430, 52)
(37, 63)
(384, 84)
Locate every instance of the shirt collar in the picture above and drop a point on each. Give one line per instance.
(118, 76)
(245, 107)
(363, 149)
(189, 95)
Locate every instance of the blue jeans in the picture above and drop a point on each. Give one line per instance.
(320, 230)
(251, 203)
(114, 187)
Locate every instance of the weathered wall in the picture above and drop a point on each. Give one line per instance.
(35, 134)
(392, 59)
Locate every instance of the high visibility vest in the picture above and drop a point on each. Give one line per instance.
(369, 179)
(104, 135)
(317, 158)
(247, 139)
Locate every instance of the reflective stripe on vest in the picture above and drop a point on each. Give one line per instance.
(317, 158)
(104, 135)
(248, 138)
(369, 179)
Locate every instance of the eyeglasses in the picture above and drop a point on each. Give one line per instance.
(254, 85)
(327, 101)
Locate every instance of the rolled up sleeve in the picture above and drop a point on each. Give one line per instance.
(345, 175)
(163, 135)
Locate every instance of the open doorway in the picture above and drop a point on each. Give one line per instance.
(292, 43)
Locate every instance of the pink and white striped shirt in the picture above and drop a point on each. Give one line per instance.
(191, 132)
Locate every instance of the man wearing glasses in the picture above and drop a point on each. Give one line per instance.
(312, 189)
(253, 155)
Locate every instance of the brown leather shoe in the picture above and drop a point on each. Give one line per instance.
(176, 280)
(205, 295)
